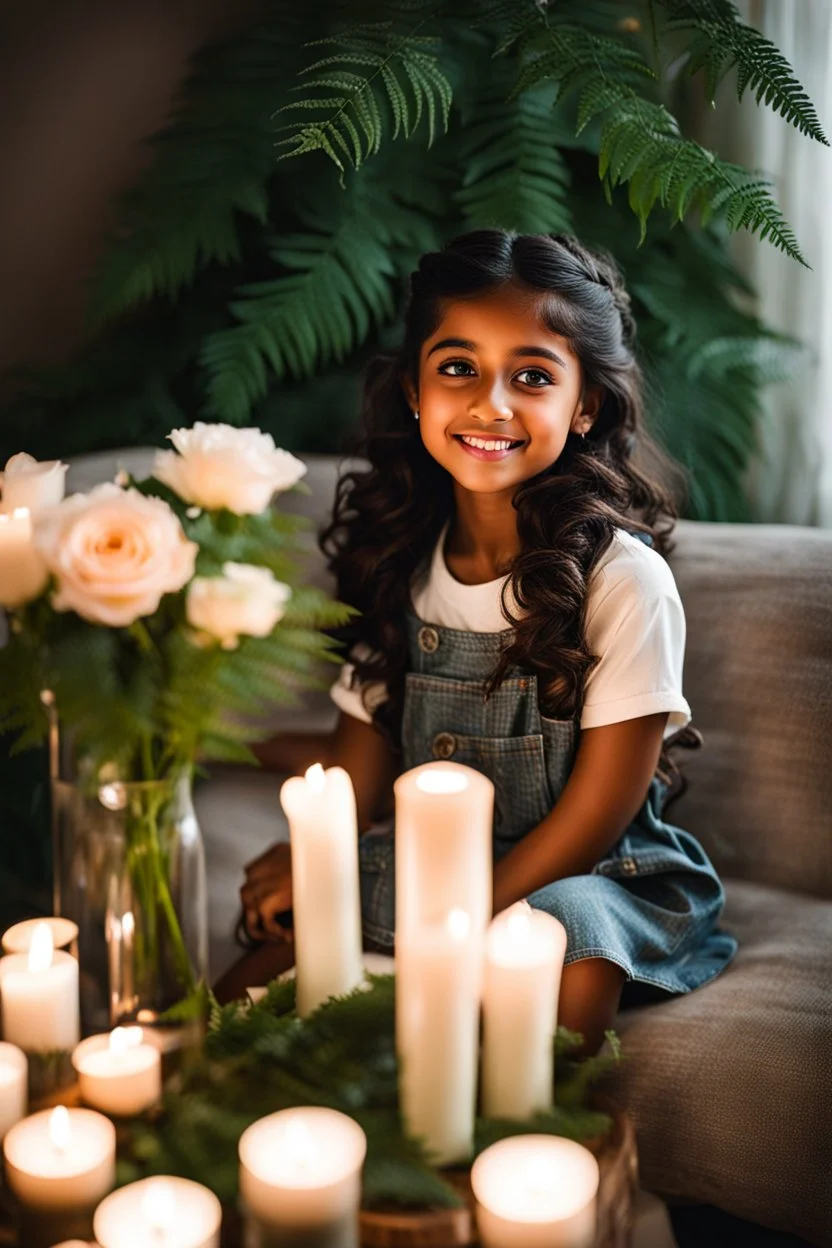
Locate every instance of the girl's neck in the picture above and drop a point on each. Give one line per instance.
(482, 538)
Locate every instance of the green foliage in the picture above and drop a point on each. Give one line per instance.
(259, 285)
(718, 41)
(257, 1059)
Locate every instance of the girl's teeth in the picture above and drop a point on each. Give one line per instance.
(487, 446)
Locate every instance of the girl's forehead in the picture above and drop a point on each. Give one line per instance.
(503, 319)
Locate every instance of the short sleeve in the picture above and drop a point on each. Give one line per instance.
(350, 700)
(636, 625)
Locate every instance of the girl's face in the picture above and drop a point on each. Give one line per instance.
(494, 374)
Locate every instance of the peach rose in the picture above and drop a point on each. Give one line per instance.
(113, 553)
(220, 466)
(30, 483)
(246, 600)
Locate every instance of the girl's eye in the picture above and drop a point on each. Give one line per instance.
(454, 364)
(536, 372)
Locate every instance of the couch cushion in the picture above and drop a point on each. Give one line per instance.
(730, 1086)
(758, 676)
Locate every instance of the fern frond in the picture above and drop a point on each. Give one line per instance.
(721, 41)
(340, 284)
(350, 126)
(210, 165)
(514, 174)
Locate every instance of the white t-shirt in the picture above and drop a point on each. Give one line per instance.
(635, 622)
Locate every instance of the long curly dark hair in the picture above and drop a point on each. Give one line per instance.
(386, 520)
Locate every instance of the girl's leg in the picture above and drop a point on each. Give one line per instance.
(590, 991)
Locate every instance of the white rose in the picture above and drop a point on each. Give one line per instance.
(220, 466)
(114, 554)
(27, 483)
(246, 600)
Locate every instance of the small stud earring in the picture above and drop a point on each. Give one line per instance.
(416, 414)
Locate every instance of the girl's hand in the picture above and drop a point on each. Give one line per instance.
(267, 892)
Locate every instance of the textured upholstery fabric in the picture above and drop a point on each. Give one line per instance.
(730, 1086)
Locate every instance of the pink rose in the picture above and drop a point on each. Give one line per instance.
(113, 553)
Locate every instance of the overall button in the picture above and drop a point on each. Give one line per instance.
(628, 866)
(444, 745)
(428, 639)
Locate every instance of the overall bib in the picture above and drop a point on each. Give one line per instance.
(651, 905)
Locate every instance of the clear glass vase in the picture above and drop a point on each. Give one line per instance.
(130, 872)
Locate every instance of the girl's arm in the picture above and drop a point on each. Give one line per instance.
(606, 788)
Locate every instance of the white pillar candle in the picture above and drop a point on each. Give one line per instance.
(23, 572)
(444, 816)
(524, 956)
(438, 987)
(163, 1211)
(119, 1073)
(300, 1177)
(61, 1159)
(536, 1191)
(14, 1074)
(326, 901)
(39, 992)
(18, 938)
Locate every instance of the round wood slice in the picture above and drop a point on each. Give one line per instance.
(456, 1228)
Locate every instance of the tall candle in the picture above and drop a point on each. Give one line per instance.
(444, 816)
(14, 1071)
(18, 938)
(61, 1162)
(300, 1178)
(119, 1073)
(39, 992)
(326, 902)
(161, 1211)
(438, 985)
(23, 573)
(523, 963)
(536, 1191)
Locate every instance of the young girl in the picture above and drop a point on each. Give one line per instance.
(518, 616)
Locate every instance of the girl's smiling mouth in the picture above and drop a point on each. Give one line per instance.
(487, 448)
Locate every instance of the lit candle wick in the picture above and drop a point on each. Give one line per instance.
(41, 948)
(59, 1129)
(159, 1208)
(316, 778)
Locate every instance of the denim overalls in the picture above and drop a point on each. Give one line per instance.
(651, 904)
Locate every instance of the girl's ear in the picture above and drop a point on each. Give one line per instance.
(409, 390)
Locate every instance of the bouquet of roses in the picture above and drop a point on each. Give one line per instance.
(159, 620)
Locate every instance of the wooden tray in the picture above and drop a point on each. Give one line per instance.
(456, 1228)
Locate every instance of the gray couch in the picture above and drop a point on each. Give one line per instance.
(730, 1087)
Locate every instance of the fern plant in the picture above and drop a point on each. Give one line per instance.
(311, 158)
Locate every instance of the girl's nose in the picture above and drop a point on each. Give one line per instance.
(491, 403)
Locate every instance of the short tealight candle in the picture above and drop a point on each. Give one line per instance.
(18, 938)
(536, 1191)
(119, 1073)
(163, 1211)
(300, 1178)
(61, 1159)
(14, 1073)
(39, 990)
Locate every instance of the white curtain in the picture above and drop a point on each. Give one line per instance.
(790, 480)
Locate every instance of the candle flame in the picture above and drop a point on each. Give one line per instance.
(459, 924)
(41, 948)
(518, 928)
(299, 1144)
(316, 778)
(59, 1128)
(159, 1204)
(124, 1038)
(437, 779)
(128, 924)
